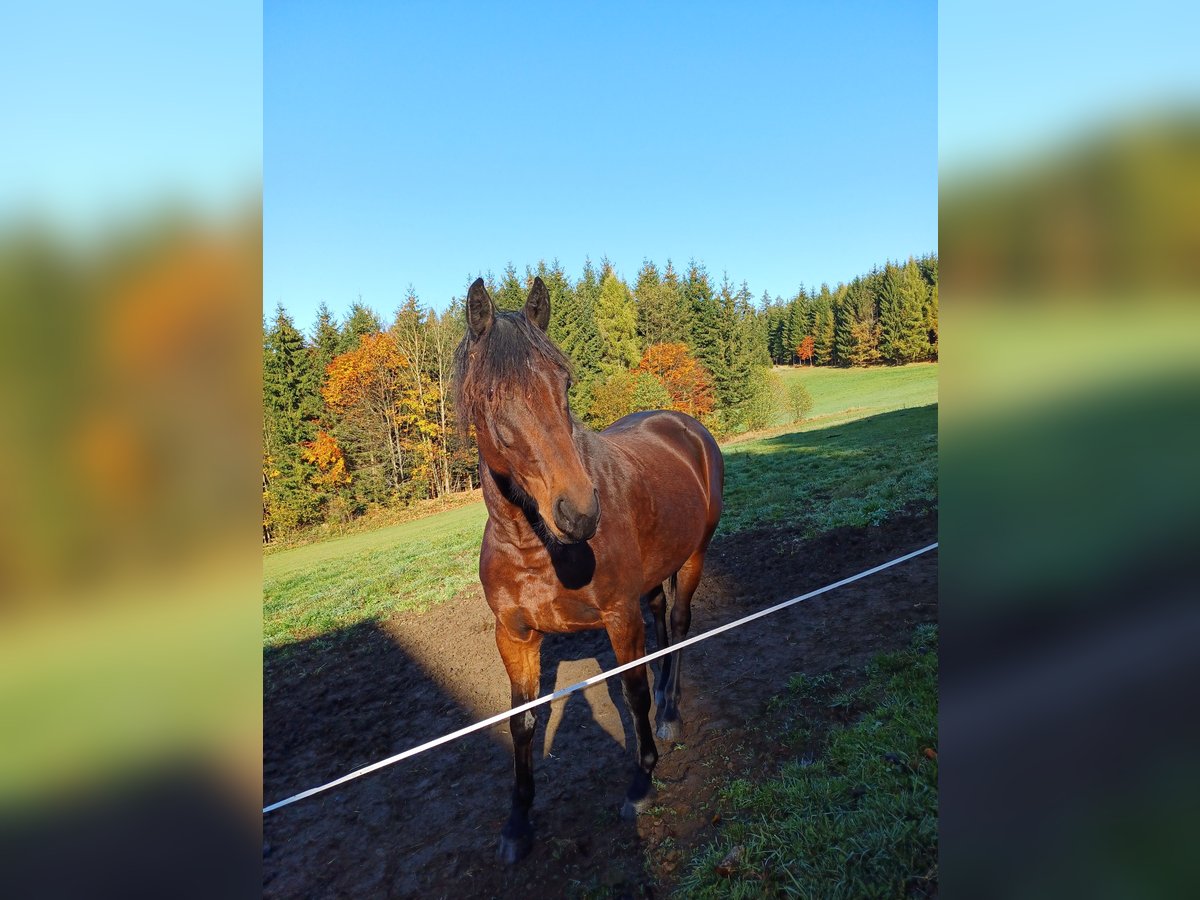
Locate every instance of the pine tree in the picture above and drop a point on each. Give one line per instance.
(929, 273)
(704, 337)
(672, 296)
(616, 322)
(662, 318)
(903, 337)
(651, 319)
(931, 321)
(853, 323)
(360, 320)
(775, 323)
(795, 325)
(512, 292)
(757, 317)
(737, 360)
(822, 327)
(581, 341)
(327, 337)
(288, 382)
(585, 346)
(856, 307)
(563, 309)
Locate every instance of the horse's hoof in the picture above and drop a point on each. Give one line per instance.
(513, 850)
(630, 810)
(670, 731)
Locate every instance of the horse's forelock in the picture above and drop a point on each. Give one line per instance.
(499, 358)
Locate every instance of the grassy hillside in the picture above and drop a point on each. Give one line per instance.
(869, 447)
(838, 391)
(316, 588)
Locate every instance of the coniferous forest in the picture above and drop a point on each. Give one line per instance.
(357, 414)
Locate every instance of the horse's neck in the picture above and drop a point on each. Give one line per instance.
(508, 517)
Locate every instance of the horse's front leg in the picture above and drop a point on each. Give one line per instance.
(628, 636)
(521, 651)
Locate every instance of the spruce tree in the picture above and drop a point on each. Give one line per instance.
(757, 317)
(854, 308)
(288, 381)
(902, 334)
(327, 337)
(512, 291)
(929, 273)
(795, 327)
(563, 309)
(616, 322)
(652, 319)
(359, 321)
(678, 326)
(822, 327)
(737, 360)
(776, 316)
(704, 337)
(931, 321)
(915, 301)
(581, 341)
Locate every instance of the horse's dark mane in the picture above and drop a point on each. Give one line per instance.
(499, 358)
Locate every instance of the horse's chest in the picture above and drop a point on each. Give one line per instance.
(568, 590)
(564, 613)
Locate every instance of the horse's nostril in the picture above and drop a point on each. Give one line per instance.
(564, 516)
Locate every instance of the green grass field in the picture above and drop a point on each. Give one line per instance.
(868, 448)
(839, 392)
(860, 820)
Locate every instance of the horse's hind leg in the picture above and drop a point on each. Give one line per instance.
(521, 653)
(657, 602)
(686, 580)
(628, 637)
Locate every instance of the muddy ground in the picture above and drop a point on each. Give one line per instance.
(427, 827)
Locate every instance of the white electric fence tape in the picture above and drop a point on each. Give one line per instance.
(595, 679)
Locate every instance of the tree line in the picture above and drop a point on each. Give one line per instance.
(888, 316)
(358, 413)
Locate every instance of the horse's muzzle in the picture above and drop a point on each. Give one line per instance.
(576, 524)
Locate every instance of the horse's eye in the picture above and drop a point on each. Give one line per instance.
(491, 392)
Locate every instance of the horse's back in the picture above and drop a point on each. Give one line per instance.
(662, 439)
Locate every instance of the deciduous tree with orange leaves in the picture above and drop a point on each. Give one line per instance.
(804, 349)
(685, 379)
(324, 453)
(373, 389)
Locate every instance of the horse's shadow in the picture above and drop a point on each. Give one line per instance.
(571, 726)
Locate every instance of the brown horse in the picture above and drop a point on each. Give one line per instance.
(581, 526)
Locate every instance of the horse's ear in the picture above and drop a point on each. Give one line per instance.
(537, 306)
(480, 310)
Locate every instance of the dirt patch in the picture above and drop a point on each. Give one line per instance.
(428, 826)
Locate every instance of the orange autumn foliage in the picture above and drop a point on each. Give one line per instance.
(684, 378)
(370, 373)
(326, 455)
(804, 350)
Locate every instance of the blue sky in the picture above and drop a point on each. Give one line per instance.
(1016, 77)
(113, 111)
(420, 143)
